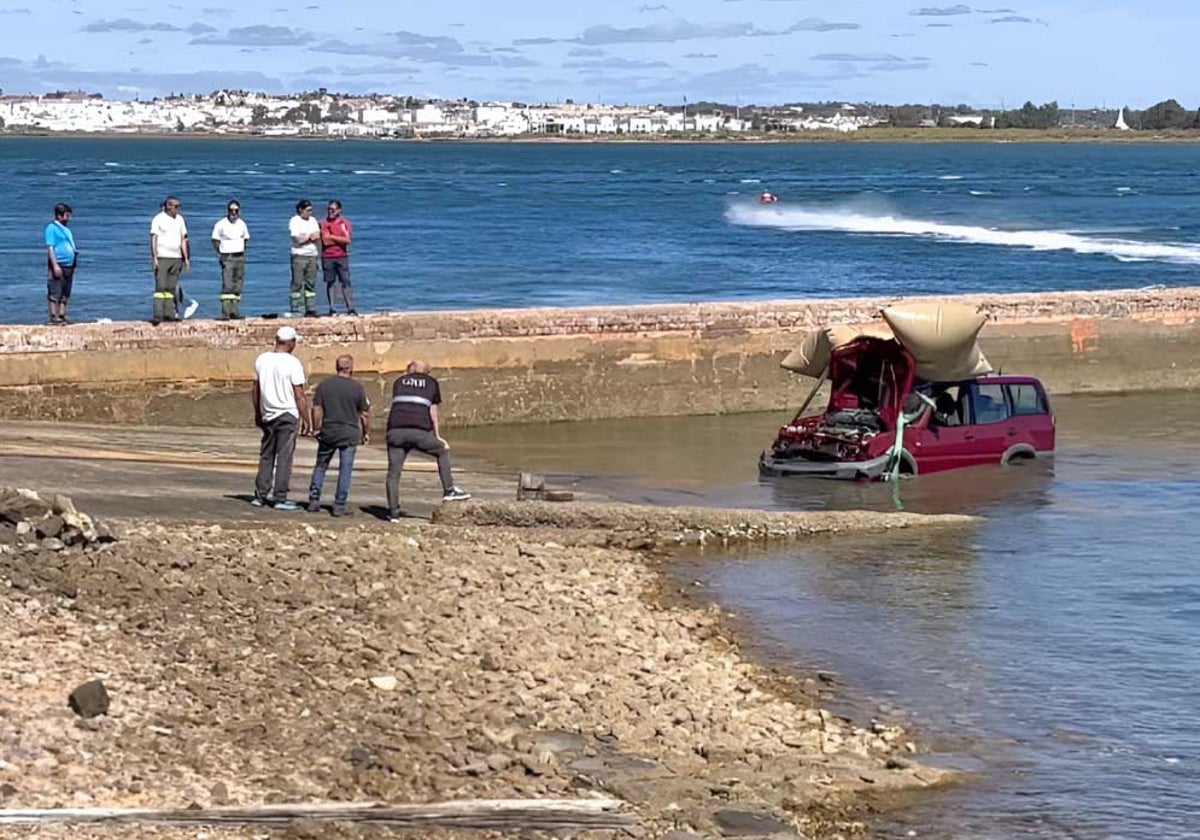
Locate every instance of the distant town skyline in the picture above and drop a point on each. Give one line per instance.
(1081, 53)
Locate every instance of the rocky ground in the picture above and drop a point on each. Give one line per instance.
(314, 660)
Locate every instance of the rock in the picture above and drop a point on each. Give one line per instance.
(220, 794)
(555, 742)
(52, 544)
(499, 761)
(384, 683)
(51, 526)
(749, 824)
(23, 528)
(89, 699)
(7, 792)
(559, 496)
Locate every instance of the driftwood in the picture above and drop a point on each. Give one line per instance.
(472, 814)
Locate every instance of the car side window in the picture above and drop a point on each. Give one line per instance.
(989, 404)
(1026, 400)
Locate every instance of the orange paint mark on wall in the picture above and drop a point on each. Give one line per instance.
(1085, 335)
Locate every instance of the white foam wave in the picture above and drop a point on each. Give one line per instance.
(980, 192)
(373, 171)
(950, 177)
(801, 219)
(750, 181)
(111, 163)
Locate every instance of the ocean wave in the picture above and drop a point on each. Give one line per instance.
(111, 163)
(950, 177)
(980, 192)
(373, 171)
(750, 181)
(802, 219)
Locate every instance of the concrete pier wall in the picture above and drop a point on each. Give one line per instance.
(532, 365)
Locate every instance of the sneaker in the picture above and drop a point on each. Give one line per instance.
(312, 313)
(455, 494)
(192, 306)
(257, 502)
(397, 516)
(64, 320)
(286, 504)
(236, 317)
(313, 507)
(330, 314)
(353, 312)
(154, 322)
(342, 510)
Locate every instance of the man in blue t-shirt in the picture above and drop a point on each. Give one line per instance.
(60, 263)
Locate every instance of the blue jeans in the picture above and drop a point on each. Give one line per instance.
(345, 470)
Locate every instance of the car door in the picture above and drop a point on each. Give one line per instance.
(946, 440)
(1031, 423)
(991, 430)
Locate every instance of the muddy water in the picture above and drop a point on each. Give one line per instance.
(1055, 648)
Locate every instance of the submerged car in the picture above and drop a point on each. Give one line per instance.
(989, 419)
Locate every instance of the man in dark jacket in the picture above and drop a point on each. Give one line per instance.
(413, 424)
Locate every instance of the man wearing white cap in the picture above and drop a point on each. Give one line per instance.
(281, 410)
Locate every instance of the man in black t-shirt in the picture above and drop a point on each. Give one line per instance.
(341, 418)
(413, 424)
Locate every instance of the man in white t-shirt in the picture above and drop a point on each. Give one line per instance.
(282, 411)
(170, 256)
(229, 238)
(306, 253)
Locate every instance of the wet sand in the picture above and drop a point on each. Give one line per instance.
(534, 648)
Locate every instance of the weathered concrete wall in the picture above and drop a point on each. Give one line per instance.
(529, 365)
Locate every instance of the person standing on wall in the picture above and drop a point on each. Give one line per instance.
(282, 412)
(335, 255)
(60, 263)
(170, 256)
(229, 238)
(413, 423)
(341, 420)
(306, 251)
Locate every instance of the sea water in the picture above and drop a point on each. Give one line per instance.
(464, 225)
(1053, 647)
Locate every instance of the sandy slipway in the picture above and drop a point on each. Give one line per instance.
(507, 651)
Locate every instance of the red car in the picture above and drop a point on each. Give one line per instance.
(991, 419)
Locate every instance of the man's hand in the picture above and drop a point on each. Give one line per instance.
(154, 264)
(56, 270)
(444, 443)
(258, 421)
(187, 264)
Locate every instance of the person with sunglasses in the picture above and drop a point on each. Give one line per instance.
(229, 238)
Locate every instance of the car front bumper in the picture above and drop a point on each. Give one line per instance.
(768, 465)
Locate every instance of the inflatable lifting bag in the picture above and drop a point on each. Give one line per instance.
(941, 338)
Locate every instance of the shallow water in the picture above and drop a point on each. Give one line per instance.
(1055, 646)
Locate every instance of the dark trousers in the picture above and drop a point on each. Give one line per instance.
(302, 296)
(402, 441)
(325, 452)
(337, 274)
(275, 457)
(166, 280)
(233, 279)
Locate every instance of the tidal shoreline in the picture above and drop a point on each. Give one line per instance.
(527, 651)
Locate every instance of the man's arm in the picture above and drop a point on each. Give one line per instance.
(437, 433)
(257, 399)
(318, 417)
(305, 409)
(55, 268)
(153, 251)
(187, 252)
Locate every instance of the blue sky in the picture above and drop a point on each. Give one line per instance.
(1086, 52)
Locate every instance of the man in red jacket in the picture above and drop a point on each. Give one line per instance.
(335, 255)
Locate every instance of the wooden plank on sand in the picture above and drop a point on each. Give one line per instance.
(471, 814)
